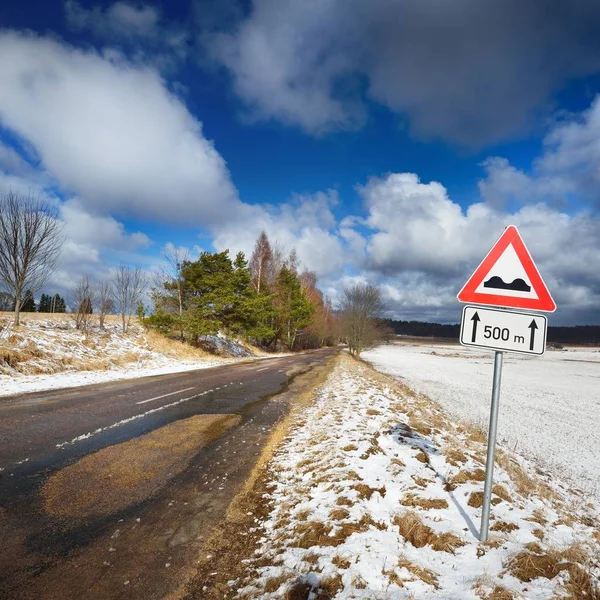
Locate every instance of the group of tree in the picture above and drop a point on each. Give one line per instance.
(266, 301)
(47, 303)
(122, 293)
(580, 334)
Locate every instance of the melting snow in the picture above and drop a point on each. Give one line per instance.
(374, 492)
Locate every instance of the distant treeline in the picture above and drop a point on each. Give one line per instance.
(580, 334)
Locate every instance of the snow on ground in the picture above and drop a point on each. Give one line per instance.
(49, 353)
(549, 405)
(375, 493)
(158, 365)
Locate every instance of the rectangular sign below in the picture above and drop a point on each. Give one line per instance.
(503, 330)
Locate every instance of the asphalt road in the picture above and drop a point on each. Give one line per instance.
(127, 548)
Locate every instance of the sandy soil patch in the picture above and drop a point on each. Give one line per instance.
(116, 477)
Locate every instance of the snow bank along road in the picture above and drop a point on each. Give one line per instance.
(107, 491)
(549, 406)
(376, 494)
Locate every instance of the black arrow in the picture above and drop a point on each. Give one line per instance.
(475, 318)
(533, 326)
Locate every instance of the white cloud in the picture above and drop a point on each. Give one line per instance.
(112, 133)
(133, 25)
(306, 223)
(424, 247)
(98, 232)
(118, 19)
(566, 173)
(469, 72)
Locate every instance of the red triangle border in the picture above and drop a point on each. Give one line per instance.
(543, 302)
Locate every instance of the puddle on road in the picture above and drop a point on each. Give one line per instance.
(124, 474)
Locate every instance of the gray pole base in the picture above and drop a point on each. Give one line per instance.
(491, 451)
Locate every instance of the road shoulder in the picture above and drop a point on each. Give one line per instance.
(374, 490)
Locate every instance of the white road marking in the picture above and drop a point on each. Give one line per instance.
(85, 436)
(165, 395)
(263, 369)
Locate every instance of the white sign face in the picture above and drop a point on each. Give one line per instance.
(503, 330)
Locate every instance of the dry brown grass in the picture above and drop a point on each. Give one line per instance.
(413, 530)
(343, 501)
(504, 526)
(426, 503)
(421, 481)
(535, 562)
(486, 582)
(475, 499)
(339, 514)
(466, 476)
(501, 492)
(350, 448)
(447, 542)
(500, 593)
(365, 491)
(422, 456)
(455, 457)
(316, 533)
(274, 583)
(341, 562)
(420, 427)
(373, 448)
(526, 484)
(538, 517)
(425, 575)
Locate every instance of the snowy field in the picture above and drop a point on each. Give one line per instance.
(549, 405)
(376, 494)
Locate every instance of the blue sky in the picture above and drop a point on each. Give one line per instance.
(388, 142)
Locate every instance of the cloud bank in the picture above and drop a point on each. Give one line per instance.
(112, 133)
(468, 72)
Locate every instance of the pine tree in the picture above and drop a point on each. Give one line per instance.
(57, 304)
(44, 304)
(7, 302)
(211, 288)
(294, 310)
(28, 302)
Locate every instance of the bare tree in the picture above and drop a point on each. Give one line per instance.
(176, 258)
(260, 260)
(104, 300)
(276, 263)
(169, 286)
(361, 307)
(129, 284)
(30, 243)
(83, 301)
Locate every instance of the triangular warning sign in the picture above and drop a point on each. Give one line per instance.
(508, 277)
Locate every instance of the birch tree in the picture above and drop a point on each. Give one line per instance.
(129, 283)
(260, 261)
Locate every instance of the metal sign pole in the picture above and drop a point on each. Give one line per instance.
(491, 451)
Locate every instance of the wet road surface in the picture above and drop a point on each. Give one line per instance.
(142, 550)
